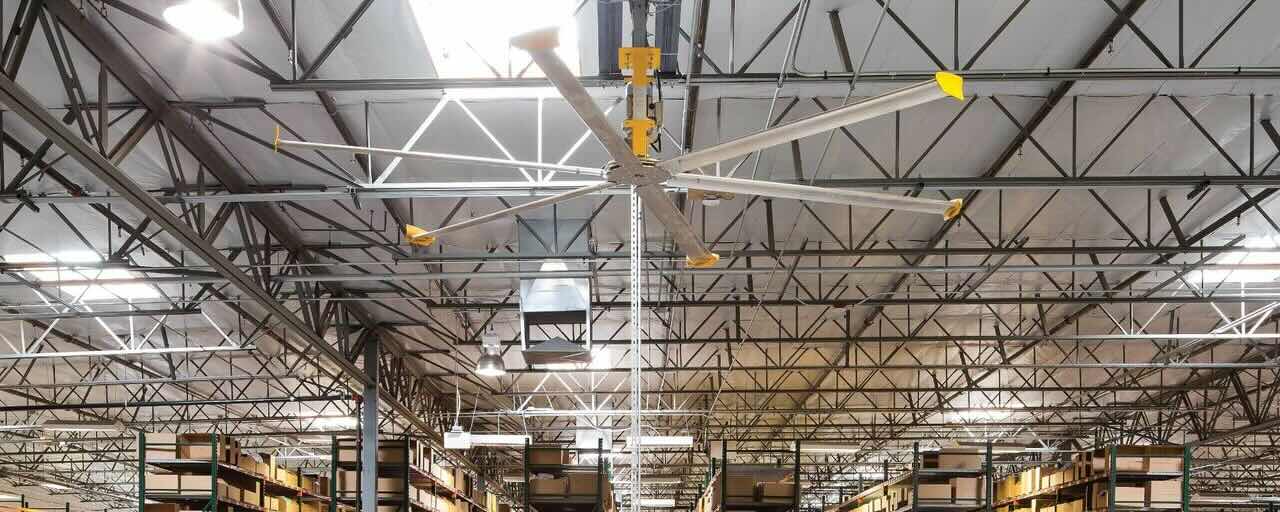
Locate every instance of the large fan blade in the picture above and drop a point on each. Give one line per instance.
(657, 202)
(943, 85)
(948, 209)
(540, 45)
(422, 238)
(424, 155)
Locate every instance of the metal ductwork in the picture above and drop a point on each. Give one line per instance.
(557, 300)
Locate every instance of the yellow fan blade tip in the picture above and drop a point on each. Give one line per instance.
(541, 39)
(950, 83)
(953, 211)
(704, 262)
(417, 236)
(275, 144)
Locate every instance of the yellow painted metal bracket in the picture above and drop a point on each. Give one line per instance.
(417, 236)
(640, 61)
(951, 84)
(704, 262)
(639, 135)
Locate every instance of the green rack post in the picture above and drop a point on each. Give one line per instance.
(333, 474)
(213, 473)
(1186, 479)
(915, 476)
(527, 488)
(1111, 479)
(988, 484)
(796, 480)
(724, 475)
(404, 482)
(600, 505)
(142, 471)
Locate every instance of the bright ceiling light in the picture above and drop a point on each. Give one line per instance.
(206, 20)
(1211, 277)
(82, 426)
(56, 487)
(471, 39)
(456, 439)
(83, 266)
(658, 502)
(828, 448)
(664, 441)
(9, 497)
(490, 365)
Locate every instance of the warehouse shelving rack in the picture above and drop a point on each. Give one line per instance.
(215, 469)
(1079, 489)
(411, 475)
(567, 503)
(720, 470)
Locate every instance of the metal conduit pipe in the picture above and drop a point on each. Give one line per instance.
(580, 274)
(171, 403)
(1044, 74)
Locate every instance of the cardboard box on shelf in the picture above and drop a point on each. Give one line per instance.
(160, 507)
(196, 483)
(966, 488)
(160, 445)
(228, 491)
(960, 460)
(1164, 465)
(161, 482)
(348, 453)
(289, 505)
(583, 483)
(549, 486)
(777, 490)
(390, 485)
(548, 456)
(287, 477)
(936, 493)
(251, 496)
(1164, 493)
(741, 486)
(309, 506)
(392, 454)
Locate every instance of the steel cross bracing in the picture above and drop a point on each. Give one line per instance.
(984, 331)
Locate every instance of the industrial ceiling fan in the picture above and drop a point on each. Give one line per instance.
(630, 165)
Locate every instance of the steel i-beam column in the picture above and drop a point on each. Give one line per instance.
(369, 430)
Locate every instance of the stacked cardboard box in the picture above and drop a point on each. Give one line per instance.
(549, 456)
(1159, 493)
(953, 459)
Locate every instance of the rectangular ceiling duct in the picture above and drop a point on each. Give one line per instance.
(563, 297)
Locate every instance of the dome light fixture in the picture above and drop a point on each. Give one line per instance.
(206, 20)
(490, 365)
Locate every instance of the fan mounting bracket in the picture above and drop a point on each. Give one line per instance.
(648, 173)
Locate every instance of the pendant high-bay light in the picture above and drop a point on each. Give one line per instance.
(631, 165)
(206, 20)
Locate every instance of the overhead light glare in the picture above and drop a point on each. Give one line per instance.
(490, 365)
(82, 426)
(657, 502)
(206, 20)
(664, 441)
(828, 448)
(56, 487)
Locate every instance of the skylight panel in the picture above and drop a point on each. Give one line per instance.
(70, 266)
(471, 39)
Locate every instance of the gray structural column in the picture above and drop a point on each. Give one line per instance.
(369, 430)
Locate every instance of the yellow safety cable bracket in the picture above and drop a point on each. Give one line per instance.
(640, 61)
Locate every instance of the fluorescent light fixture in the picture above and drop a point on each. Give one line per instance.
(301, 457)
(498, 439)
(459, 440)
(651, 480)
(334, 420)
(658, 502)
(1209, 277)
(206, 20)
(9, 497)
(828, 448)
(472, 39)
(82, 426)
(69, 266)
(664, 441)
(56, 487)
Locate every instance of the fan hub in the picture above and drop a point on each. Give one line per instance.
(647, 174)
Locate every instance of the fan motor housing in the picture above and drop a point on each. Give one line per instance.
(650, 173)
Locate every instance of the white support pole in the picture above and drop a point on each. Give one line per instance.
(637, 239)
